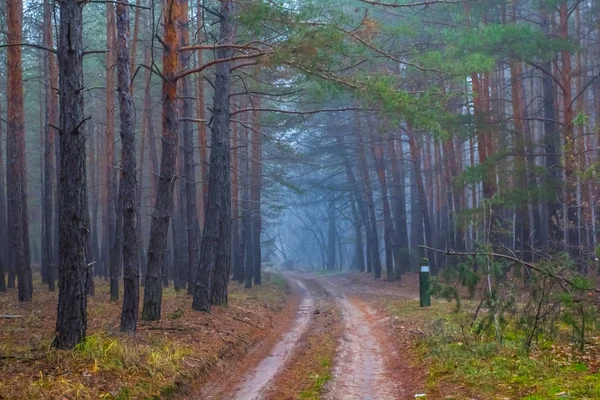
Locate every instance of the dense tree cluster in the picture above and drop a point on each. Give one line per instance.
(341, 134)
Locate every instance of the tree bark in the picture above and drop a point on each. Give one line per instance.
(112, 201)
(164, 197)
(128, 183)
(188, 158)
(49, 150)
(18, 220)
(4, 259)
(71, 322)
(399, 206)
(388, 226)
(331, 236)
(255, 193)
(374, 263)
(215, 250)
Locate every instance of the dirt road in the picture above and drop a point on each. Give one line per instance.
(366, 365)
(259, 379)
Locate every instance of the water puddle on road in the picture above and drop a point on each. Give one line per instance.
(258, 380)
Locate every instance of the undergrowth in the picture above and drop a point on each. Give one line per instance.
(319, 380)
(466, 362)
(108, 365)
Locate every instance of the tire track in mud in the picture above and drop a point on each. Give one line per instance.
(360, 368)
(256, 382)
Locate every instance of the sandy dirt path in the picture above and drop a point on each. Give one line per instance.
(258, 380)
(361, 367)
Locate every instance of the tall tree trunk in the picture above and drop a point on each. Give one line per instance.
(238, 268)
(571, 166)
(360, 214)
(375, 261)
(128, 182)
(552, 146)
(215, 250)
(522, 230)
(164, 197)
(71, 321)
(4, 259)
(388, 225)
(401, 254)
(244, 190)
(49, 149)
(193, 242)
(422, 204)
(201, 114)
(331, 236)
(15, 153)
(112, 201)
(255, 193)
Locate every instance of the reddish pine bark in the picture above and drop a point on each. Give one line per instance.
(18, 220)
(49, 148)
(110, 245)
(161, 217)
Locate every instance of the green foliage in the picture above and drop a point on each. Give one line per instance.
(319, 381)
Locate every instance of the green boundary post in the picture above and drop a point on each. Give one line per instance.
(424, 274)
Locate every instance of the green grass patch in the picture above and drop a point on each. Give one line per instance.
(459, 356)
(319, 379)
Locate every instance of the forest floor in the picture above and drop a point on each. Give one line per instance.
(162, 359)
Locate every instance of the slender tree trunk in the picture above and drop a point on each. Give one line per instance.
(71, 321)
(552, 147)
(331, 236)
(255, 193)
(422, 204)
(215, 250)
(4, 259)
(388, 225)
(128, 182)
(571, 165)
(401, 254)
(49, 149)
(359, 213)
(193, 242)
(522, 230)
(201, 113)
(238, 267)
(15, 152)
(164, 197)
(112, 201)
(375, 261)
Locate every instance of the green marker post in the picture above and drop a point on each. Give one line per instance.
(424, 283)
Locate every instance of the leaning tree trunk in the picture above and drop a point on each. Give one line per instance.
(71, 321)
(15, 151)
(128, 183)
(215, 250)
(161, 217)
